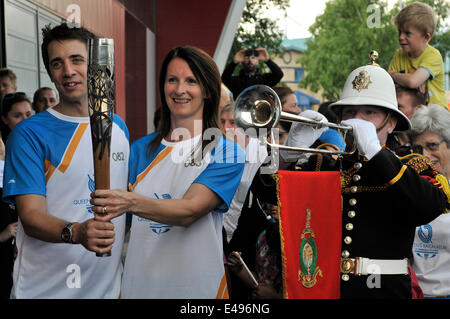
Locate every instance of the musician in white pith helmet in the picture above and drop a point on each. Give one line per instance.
(383, 199)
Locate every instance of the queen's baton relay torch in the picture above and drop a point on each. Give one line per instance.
(101, 88)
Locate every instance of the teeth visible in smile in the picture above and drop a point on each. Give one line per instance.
(181, 100)
(71, 84)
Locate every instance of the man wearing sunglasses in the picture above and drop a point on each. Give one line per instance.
(250, 74)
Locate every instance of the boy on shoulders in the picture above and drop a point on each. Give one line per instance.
(417, 64)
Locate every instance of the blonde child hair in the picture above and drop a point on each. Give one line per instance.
(418, 15)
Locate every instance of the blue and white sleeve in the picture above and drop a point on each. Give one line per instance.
(224, 172)
(24, 166)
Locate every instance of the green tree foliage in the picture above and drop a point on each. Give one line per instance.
(257, 29)
(441, 39)
(343, 36)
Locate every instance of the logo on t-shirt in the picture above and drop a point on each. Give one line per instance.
(91, 185)
(86, 201)
(425, 249)
(425, 233)
(157, 228)
(162, 196)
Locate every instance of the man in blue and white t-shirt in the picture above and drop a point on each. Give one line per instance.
(49, 176)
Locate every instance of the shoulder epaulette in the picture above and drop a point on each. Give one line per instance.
(442, 183)
(423, 166)
(418, 162)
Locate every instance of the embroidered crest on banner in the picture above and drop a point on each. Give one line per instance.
(309, 270)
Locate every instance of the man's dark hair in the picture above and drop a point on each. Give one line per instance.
(60, 33)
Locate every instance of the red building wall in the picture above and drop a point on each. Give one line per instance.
(198, 23)
(136, 78)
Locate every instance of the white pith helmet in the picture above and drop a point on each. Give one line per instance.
(371, 85)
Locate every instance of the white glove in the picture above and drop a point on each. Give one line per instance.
(303, 135)
(366, 137)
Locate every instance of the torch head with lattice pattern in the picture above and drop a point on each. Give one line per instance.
(101, 89)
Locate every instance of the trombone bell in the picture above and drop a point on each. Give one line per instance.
(259, 107)
(262, 113)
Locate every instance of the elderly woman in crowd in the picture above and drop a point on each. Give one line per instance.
(430, 136)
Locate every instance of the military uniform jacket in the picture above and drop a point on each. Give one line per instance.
(383, 201)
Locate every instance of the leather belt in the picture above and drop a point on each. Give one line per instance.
(365, 266)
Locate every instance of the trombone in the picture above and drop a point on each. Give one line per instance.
(259, 107)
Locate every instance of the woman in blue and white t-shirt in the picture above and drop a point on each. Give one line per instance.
(182, 179)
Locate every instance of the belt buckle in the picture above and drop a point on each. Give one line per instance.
(347, 265)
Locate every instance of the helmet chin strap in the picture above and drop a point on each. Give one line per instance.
(388, 116)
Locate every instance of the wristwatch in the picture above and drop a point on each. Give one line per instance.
(66, 234)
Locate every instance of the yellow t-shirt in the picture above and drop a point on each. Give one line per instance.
(430, 60)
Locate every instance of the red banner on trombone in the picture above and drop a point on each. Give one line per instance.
(310, 229)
